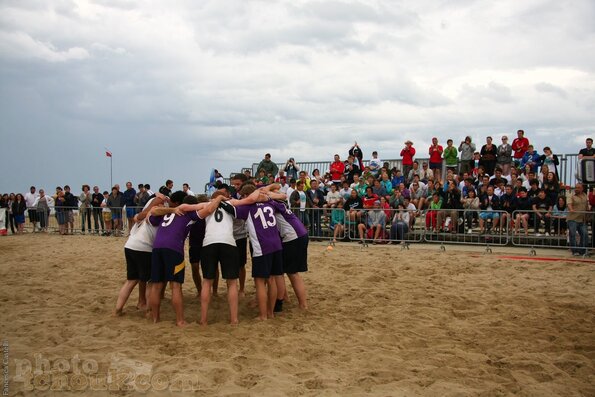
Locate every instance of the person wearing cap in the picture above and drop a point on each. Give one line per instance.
(407, 153)
(504, 156)
(467, 148)
(435, 153)
(269, 166)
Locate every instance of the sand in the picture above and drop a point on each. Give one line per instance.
(381, 322)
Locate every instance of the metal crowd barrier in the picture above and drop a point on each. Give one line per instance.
(540, 230)
(469, 227)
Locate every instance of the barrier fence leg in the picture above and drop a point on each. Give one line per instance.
(488, 250)
(404, 246)
(442, 247)
(532, 252)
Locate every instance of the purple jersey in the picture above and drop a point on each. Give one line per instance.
(262, 227)
(197, 233)
(289, 225)
(173, 230)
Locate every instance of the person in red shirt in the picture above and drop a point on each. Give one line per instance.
(407, 153)
(519, 147)
(436, 158)
(337, 169)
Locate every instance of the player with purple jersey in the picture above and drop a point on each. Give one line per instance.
(295, 253)
(267, 259)
(168, 257)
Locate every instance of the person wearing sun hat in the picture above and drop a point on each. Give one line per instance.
(407, 153)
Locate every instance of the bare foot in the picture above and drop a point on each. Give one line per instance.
(241, 294)
(234, 323)
(182, 324)
(202, 323)
(261, 318)
(118, 313)
(253, 304)
(142, 307)
(303, 307)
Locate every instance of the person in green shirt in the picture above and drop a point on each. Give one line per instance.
(450, 156)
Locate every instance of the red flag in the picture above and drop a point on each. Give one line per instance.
(108, 153)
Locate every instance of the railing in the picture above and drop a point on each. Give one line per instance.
(567, 169)
(468, 227)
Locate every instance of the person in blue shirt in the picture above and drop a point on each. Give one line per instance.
(532, 158)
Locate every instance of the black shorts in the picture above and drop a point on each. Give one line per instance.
(194, 253)
(226, 255)
(167, 265)
(267, 265)
(33, 216)
(295, 255)
(138, 264)
(242, 253)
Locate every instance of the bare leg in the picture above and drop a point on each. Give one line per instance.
(242, 281)
(205, 299)
(216, 283)
(232, 299)
(299, 288)
(261, 297)
(272, 295)
(124, 294)
(196, 277)
(155, 300)
(142, 295)
(280, 282)
(177, 301)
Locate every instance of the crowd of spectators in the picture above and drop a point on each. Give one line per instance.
(459, 189)
(98, 212)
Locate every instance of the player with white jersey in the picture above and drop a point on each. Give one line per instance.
(137, 251)
(219, 247)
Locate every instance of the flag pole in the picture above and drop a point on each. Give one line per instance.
(111, 184)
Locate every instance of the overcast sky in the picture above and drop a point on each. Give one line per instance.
(175, 88)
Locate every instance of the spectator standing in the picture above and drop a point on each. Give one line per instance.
(578, 204)
(531, 158)
(186, 189)
(351, 169)
(504, 156)
(357, 153)
(587, 152)
(269, 167)
(450, 156)
(29, 201)
(407, 153)
(85, 208)
(519, 146)
(291, 169)
(488, 155)
(435, 153)
(336, 170)
(43, 204)
(71, 203)
(316, 197)
(129, 196)
(550, 159)
(96, 200)
(375, 164)
(18, 211)
(467, 148)
(115, 202)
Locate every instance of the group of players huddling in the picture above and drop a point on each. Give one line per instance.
(218, 231)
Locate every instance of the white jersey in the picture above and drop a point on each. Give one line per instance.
(30, 198)
(142, 235)
(219, 228)
(286, 231)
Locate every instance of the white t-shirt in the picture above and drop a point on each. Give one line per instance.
(219, 228)
(289, 191)
(332, 197)
(142, 235)
(30, 198)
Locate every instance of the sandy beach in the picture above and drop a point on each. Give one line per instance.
(381, 322)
